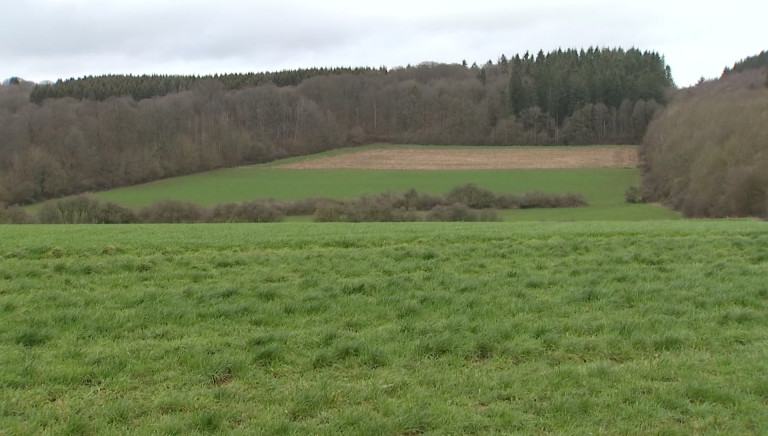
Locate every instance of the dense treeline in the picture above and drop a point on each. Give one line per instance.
(751, 62)
(148, 86)
(82, 143)
(707, 153)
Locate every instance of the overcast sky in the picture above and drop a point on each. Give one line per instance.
(51, 39)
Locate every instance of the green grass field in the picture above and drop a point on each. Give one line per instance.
(599, 186)
(603, 188)
(390, 329)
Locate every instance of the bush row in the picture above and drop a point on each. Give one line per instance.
(462, 203)
(378, 209)
(86, 209)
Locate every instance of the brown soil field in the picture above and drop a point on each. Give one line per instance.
(436, 158)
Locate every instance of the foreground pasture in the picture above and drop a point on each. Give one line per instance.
(384, 328)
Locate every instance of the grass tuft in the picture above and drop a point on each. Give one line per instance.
(222, 375)
(31, 337)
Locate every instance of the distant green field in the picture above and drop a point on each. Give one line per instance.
(603, 188)
(599, 186)
(391, 329)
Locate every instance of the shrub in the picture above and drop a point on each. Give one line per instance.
(16, 215)
(507, 201)
(380, 208)
(259, 212)
(634, 194)
(377, 208)
(171, 211)
(306, 206)
(569, 199)
(408, 200)
(535, 199)
(369, 209)
(425, 202)
(224, 213)
(471, 195)
(80, 209)
(49, 214)
(248, 212)
(330, 211)
(460, 212)
(110, 212)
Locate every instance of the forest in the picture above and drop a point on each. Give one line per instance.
(705, 154)
(95, 133)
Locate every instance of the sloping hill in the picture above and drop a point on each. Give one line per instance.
(707, 153)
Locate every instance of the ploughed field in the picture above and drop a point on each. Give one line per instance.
(475, 158)
(417, 328)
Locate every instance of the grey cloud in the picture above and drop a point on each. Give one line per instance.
(57, 38)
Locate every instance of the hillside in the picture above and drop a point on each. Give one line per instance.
(751, 62)
(706, 155)
(103, 132)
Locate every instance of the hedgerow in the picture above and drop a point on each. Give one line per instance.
(462, 203)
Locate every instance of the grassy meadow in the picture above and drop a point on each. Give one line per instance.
(599, 186)
(390, 329)
(603, 188)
